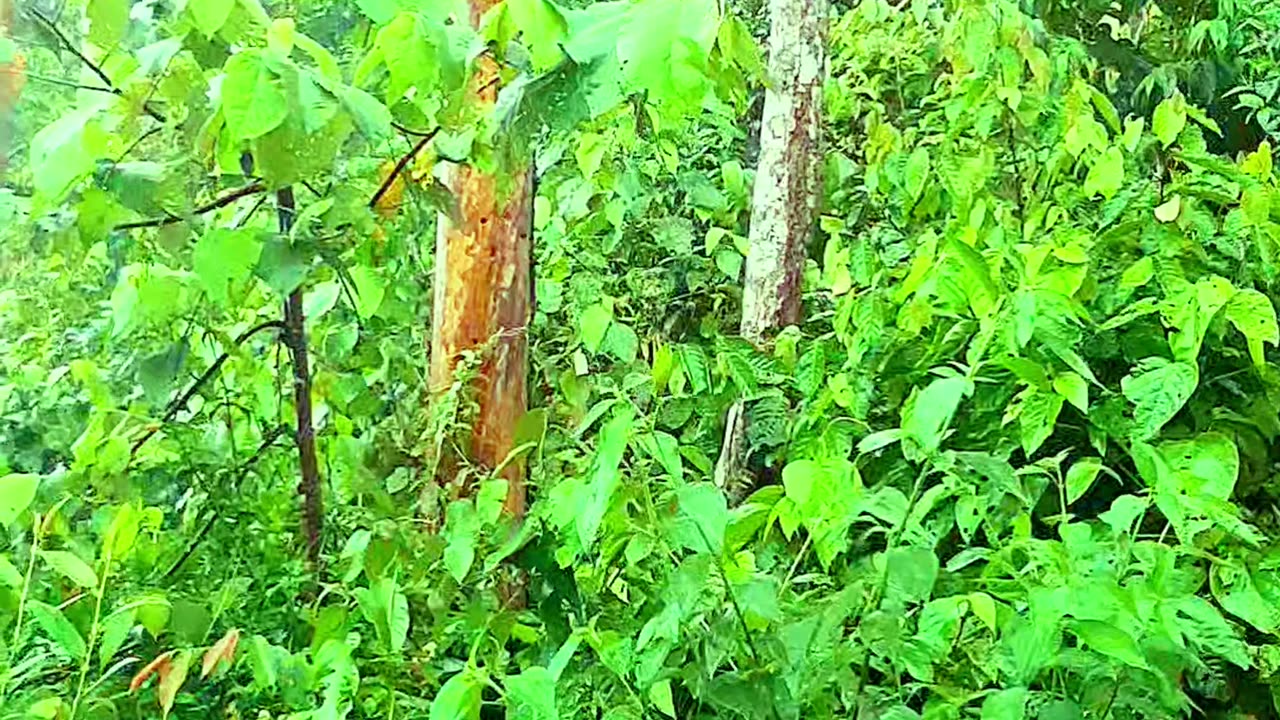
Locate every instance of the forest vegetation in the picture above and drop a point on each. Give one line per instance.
(639, 359)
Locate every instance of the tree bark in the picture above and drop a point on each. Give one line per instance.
(482, 296)
(12, 77)
(304, 437)
(787, 192)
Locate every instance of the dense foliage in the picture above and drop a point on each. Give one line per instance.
(1016, 462)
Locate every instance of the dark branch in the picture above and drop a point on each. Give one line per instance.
(410, 131)
(69, 84)
(52, 27)
(176, 406)
(399, 168)
(221, 202)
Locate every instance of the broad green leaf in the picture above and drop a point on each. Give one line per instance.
(410, 56)
(593, 324)
(224, 260)
(605, 475)
(590, 153)
(1081, 477)
(209, 15)
(1169, 119)
(666, 450)
(1008, 704)
(1158, 392)
(660, 696)
(71, 567)
(459, 698)
(59, 629)
(621, 342)
(384, 605)
(9, 575)
(1204, 626)
(115, 630)
(1254, 316)
(543, 27)
(702, 516)
(531, 695)
(1074, 389)
(910, 575)
(1037, 416)
(462, 529)
(1110, 641)
(66, 151)
(371, 117)
(108, 21)
(16, 493)
(253, 102)
(928, 413)
(370, 289)
(1106, 176)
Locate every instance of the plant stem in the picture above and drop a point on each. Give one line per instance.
(22, 604)
(93, 630)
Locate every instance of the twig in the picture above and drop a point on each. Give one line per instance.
(181, 402)
(221, 202)
(395, 172)
(410, 131)
(97, 69)
(296, 339)
(69, 83)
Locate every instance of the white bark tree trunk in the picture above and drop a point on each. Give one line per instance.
(788, 188)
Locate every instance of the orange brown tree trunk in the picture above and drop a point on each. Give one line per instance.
(482, 296)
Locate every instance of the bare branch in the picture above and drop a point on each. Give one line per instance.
(221, 202)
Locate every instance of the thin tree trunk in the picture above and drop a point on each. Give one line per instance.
(304, 437)
(787, 190)
(482, 297)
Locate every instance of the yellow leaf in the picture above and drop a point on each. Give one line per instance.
(1170, 211)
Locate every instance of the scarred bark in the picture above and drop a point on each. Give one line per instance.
(482, 296)
(789, 175)
(787, 190)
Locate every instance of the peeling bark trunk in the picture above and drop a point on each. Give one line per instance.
(296, 339)
(482, 296)
(787, 190)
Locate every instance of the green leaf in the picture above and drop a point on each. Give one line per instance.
(108, 21)
(1110, 641)
(928, 413)
(702, 517)
(208, 15)
(16, 493)
(1252, 596)
(605, 477)
(1081, 477)
(1158, 391)
(253, 102)
(370, 289)
(593, 324)
(462, 530)
(410, 55)
(1074, 389)
(911, 573)
(386, 608)
(372, 118)
(9, 575)
(1007, 704)
(459, 698)
(660, 696)
(531, 695)
(71, 567)
(543, 28)
(666, 450)
(115, 630)
(1037, 416)
(1254, 316)
(1170, 210)
(59, 629)
(1169, 119)
(1106, 176)
(590, 153)
(1205, 627)
(621, 342)
(224, 260)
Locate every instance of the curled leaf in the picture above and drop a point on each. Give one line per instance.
(159, 665)
(223, 650)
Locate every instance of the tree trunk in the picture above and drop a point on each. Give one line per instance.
(787, 190)
(482, 297)
(305, 438)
